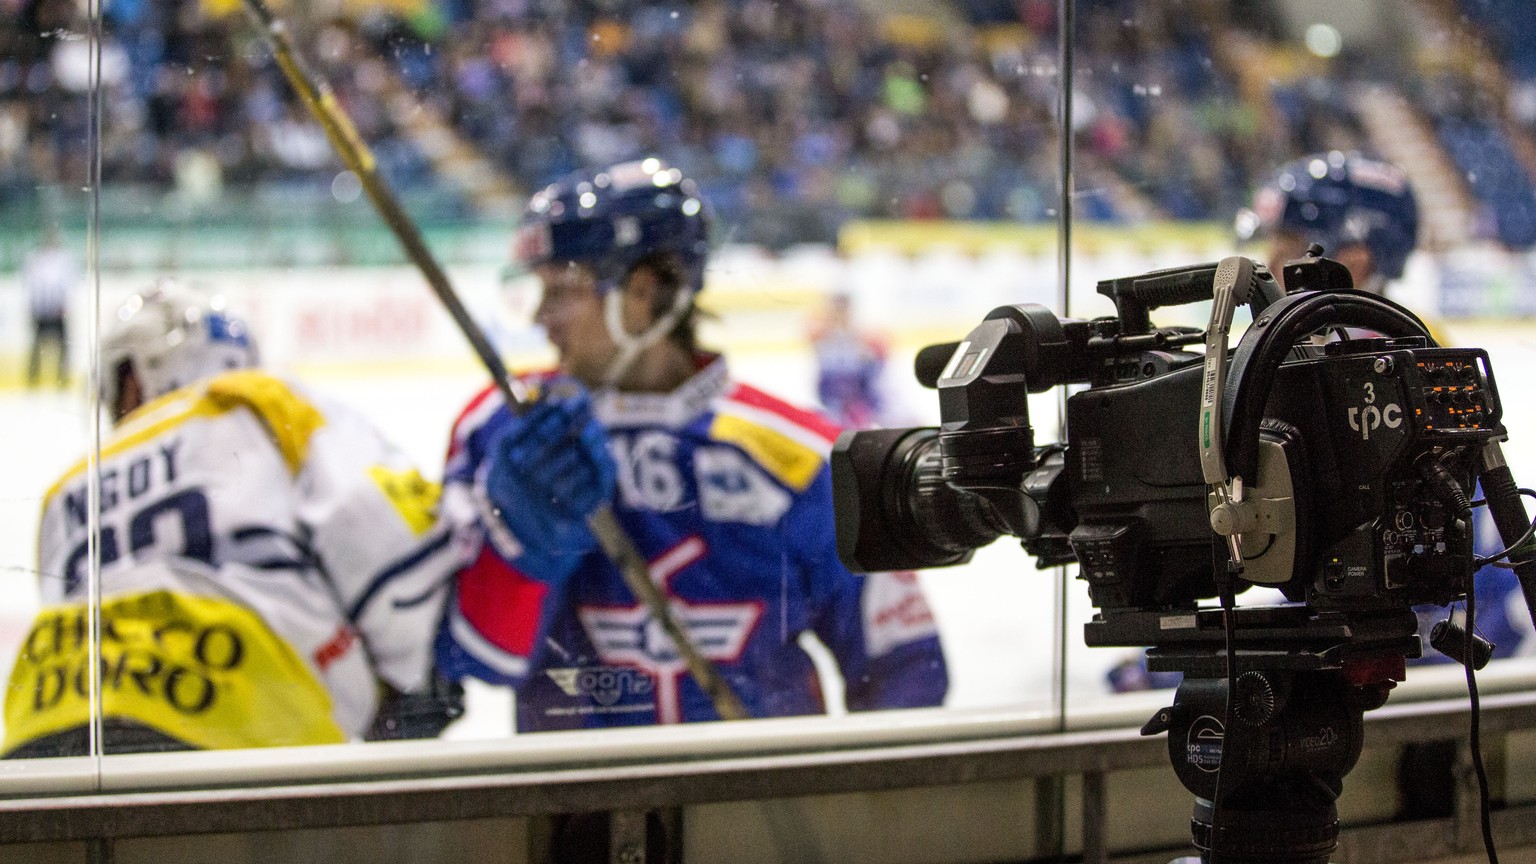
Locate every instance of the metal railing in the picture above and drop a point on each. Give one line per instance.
(654, 770)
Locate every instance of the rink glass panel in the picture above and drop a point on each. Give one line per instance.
(47, 202)
(257, 209)
(262, 213)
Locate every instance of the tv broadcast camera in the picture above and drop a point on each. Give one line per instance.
(1332, 455)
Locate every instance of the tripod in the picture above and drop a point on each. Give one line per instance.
(1265, 786)
(1267, 766)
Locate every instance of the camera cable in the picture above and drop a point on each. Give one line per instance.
(1474, 729)
(1474, 734)
(1229, 714)
(1525, 538)
(1450, 491)
(1232, 284)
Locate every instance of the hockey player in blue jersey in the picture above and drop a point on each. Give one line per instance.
(724, 489)
(849, 367)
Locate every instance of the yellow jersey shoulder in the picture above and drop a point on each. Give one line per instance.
(290, 418)
(790, 443)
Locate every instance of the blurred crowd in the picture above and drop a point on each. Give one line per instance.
(795, 115)
(188, 100)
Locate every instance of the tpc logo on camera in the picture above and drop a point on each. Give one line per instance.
(1369, 418)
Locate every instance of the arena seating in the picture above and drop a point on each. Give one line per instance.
(796, 115)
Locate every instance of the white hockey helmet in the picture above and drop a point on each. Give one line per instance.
(169, 337)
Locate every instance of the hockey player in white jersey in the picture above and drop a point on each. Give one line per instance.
(270, 570)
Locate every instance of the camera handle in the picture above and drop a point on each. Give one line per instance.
(1236, 282)
(1136, 296)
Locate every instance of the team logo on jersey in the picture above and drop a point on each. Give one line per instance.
(203, 670)
(414, 497)
(605, 685)
(627, 636)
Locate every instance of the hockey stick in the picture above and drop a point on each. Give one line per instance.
(321, 102)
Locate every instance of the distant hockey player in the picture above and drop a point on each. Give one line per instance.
(725, 489)
(1362, 211)
(270, 568)
(849, 366)
(49, 276)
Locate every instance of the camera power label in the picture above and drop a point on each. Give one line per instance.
(1202, 744)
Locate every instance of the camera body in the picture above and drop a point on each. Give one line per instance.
(1331, 455)
(1352, 430)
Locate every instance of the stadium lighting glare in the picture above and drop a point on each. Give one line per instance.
(1324, 40)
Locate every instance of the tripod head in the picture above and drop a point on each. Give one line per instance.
(1265, 750)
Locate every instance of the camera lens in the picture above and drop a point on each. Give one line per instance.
(948, 518)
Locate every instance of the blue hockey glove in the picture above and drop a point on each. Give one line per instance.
(549, 472)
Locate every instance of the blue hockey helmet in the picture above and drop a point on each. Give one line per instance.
(1340, 199)
(611, 218)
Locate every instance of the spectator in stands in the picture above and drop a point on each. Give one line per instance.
(725, 489)
(756, 100)
(49, 277)
(270, 570)
(762, 101)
